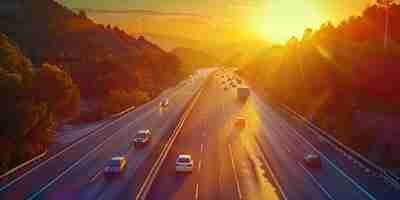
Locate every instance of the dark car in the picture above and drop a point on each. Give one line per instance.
(115, 166)
(142, 138)
(312, 160)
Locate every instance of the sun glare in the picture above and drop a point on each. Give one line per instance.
(286, 18)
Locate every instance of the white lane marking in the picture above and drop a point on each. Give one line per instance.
(196, 192)
(97, 148)
(268, 165)
(332, 164)
(235, 173)
(201, 148)
(316, 182)
(287, 149)
(149, 180)
(82, 139)
(199, 168)
(358, 186)
(24, 164)
(96, 175)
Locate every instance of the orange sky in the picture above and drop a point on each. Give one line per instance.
(273, 20)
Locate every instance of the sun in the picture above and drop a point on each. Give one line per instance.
(283, 19)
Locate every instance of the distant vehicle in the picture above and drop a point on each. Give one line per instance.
(115, 166)
(233, 85)
(164, 103)
(184, 163)
(239, 81)
(312, 160)
(243, 93)
(226, 88)
(240, 122)
(142, 138)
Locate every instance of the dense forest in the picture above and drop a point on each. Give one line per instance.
(32, 99)
(338, 73)
(54, 60)
(113, 69)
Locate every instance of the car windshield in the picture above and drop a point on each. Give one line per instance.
(141, 135)
(184, 160)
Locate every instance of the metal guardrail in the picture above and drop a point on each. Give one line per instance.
(395, 180)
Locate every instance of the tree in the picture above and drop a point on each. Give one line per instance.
(82, 14)
(307, 35)
(56, 87)
(386, 4)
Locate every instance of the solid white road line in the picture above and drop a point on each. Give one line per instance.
(96, 175)
(234, 171)
(316, 182)
(199, 168)
(196, 192)
(357, 185)
(23, 164)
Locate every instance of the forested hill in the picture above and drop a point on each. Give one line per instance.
(339, 74)
(108, 64)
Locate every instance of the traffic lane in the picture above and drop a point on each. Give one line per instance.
(329, 178)
(87, 176)
(129, 189)
(217, 179)
(294, 181)
(137, 156)
(65, 138)
(254, 174)
(45, 171)
(170, 186)
(62, 143)
(225, 164)
(371, 180)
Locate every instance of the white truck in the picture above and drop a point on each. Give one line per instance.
(243, 93)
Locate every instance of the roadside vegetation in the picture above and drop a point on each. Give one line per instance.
(32, 99)
(113, 69)
(58, 66)
(338, 74)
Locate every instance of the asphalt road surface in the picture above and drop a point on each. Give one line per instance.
(264, 160)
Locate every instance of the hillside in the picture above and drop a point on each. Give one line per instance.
(32, 99)
(107, 64)
(342, 78)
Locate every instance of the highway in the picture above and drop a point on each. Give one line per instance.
(228, 162)
(262, 161)
(74, 172)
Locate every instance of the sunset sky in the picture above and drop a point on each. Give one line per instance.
(273, 20)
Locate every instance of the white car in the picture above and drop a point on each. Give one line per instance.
(115, 166)
(164, 103)
(184, 163)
